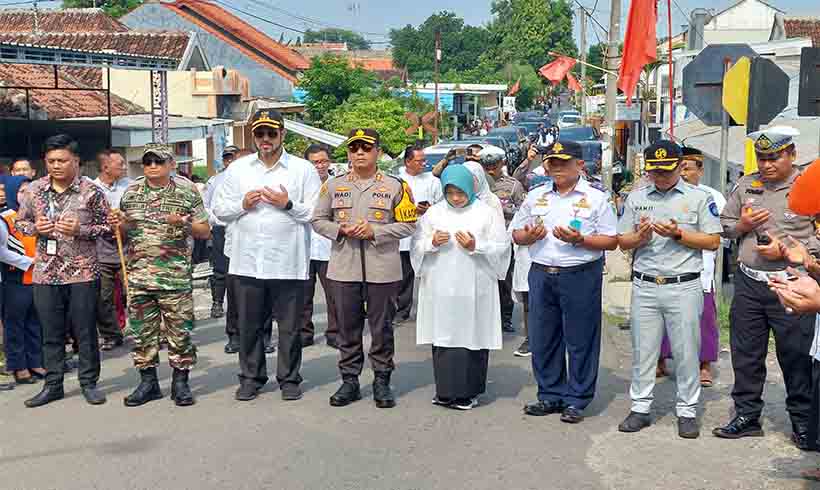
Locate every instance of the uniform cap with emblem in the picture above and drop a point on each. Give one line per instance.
(770, 142)
(689, 153)
(365, 135)
(230, 150)
(564, 150)
(267, 118)
(158, 150)
(663, 155)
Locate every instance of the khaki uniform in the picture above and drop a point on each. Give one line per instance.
(511, 194)
(387, 204)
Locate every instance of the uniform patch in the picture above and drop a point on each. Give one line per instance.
(757, 184)
(754, 191)
(378, 215)
(714, 209)
(583, 203)
(323, 190)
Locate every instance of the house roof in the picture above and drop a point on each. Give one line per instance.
(58, 104)
(806, 27)
(241, 35)
(159, 44)
(730, 7)
(58, 20)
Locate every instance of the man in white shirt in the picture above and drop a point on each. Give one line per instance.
(319, 156)
(426, 190)
(267, 199)
(113, 181)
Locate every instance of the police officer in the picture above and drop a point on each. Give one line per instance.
(365, 213)
(158, 215)
(668, 223)
(757, 214)
(511, 194)
(566, 226)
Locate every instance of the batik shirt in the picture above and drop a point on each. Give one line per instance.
(159, 254)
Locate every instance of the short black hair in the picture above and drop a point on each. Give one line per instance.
(410, 151)
(317, 148)
(61, 142)
(476, 145)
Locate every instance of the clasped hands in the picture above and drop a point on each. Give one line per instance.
(277, 198)
(361, 230)
(534, 233)
(66, 226)
(464, 238)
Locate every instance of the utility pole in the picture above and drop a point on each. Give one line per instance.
(435, 75)
(612, 64)
(582, 18)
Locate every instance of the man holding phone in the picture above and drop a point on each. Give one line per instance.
(758, 215)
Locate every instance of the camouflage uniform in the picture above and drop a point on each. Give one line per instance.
(159, 270)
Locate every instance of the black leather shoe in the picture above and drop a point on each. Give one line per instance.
(688, 428)
(382, 394)
(572, 415)
(246, 392)
(232, 347)
(291, 392)
(800, 437)
(180, 391)
(93, 396)
(148, 389)
(507, 326)
(740, 426)
(348, 393)
(217, 311)
(49, 393)
(634, 422)
(540, 409)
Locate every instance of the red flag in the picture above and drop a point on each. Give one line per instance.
(558, 69)
(515, 88)
(573, 83)
(640, 44)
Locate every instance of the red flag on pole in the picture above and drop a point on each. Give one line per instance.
(515, 88)
(573, 83)
(640, 44)
(558, 69)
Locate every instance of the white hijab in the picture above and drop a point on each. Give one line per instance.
(483, 188)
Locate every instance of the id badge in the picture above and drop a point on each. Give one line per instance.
(51, 247)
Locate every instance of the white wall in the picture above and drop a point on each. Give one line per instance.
(750, 21)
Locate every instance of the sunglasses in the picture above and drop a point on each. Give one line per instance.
(150, 162)
(360, 145)
(271, 133)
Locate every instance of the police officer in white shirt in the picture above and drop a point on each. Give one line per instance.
(267, 199)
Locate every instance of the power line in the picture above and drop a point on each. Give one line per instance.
(593, 18)
(314, 21)
(258, 18)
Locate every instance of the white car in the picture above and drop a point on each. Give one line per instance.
(568, 120)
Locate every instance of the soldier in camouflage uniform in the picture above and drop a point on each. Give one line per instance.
(158, 214)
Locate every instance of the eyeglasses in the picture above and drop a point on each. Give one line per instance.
(150, 162)
(261, 133)
(360, 145)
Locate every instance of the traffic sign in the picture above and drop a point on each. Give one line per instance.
(768, 93)
(736, 90)
(703, 80)
(808, 103)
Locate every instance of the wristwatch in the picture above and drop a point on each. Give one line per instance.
(289, 205)
(679, 236)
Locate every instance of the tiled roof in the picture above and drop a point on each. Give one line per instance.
(238, 33)
(59, 104)
(160, 44)
(807, 27)
(59, 20)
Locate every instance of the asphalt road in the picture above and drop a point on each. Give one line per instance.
(220, 443)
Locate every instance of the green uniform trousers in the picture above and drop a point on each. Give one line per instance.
(169, 314)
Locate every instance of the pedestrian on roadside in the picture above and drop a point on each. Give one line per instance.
(67, 213)
(113, 181)
(668, 224)
(158, 213)
(426, 189)
(365, 213)
(565, 282)
(267, 200)
(758, 215)
(22, 167)
(460, 252)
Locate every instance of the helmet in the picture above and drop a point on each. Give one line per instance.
(491, 157)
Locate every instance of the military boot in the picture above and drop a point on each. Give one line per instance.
(148, 389)
(382, 394)
(348, 393)
(180, 391)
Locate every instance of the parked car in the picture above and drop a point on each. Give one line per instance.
(590, 140)
(436, 153)
(569, 120)
(528, 116)
(517, 139)
(530, 126)
(510, 152)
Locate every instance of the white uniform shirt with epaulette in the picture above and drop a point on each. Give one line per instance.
(693, 208)
(545, 205)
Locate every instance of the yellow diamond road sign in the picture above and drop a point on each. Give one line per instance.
(736, 90)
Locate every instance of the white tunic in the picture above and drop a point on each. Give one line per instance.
(458, 293)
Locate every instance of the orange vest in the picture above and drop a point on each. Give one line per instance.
(29, 243)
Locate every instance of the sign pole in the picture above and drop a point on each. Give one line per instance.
(724, 165)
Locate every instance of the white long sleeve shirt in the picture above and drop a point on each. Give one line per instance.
(268, 242)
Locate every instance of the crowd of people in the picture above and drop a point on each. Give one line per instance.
(474, 237)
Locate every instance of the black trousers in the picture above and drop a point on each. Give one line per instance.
(256, 299)
(64, 307)
(108, 325)
(318, 269)
(814, 421)
(405, 295)
(349, 298)
(755, 311)
(219, 263)
(232, 311)
(505, 295)
(460, 373)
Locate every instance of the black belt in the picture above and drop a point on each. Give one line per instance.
(666, 280)
(563, 270)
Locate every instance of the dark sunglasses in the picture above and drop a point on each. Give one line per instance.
(360, 145)
(261, 133)
(153, 161)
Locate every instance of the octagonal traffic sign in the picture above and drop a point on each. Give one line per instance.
(703, 80)
(736, 90)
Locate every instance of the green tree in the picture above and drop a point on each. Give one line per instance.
(384, 114)
(114, 8)
(329, 82)
(596, 56)
(354, 40)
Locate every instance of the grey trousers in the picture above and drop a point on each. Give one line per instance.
(676, 309)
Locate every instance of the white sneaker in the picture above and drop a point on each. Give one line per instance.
(461, 405)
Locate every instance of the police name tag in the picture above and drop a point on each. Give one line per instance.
(51, 247)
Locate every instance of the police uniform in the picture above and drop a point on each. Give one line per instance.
(364, 286)
(667, 295)
(755, 309)
(565, 284)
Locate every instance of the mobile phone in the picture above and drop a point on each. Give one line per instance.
(763, 240)
(461, 152)
(424, 203)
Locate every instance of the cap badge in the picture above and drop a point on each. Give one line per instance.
(661, 153)
(764, 143)
(360, 132)
(558, 148)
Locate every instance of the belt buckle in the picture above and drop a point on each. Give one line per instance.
(553, 270)
(660, 281)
